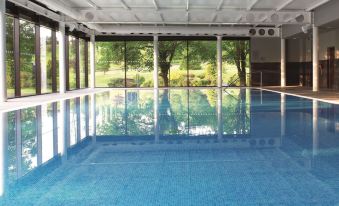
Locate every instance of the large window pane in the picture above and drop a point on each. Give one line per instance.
(235, 62)
(10, 74)
(110, 65)
(46, 59)
(202, 63)
(57, 59)
(172, 63)
(27, 58)
(82, 63)
(139, 64)
(72, 63)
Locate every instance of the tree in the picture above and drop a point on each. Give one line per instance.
(236, 52)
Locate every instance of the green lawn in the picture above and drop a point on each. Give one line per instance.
(102, 79)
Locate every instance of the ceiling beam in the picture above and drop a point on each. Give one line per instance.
(213, 17)
(253, 3)
(161, 17)
(124, 5)
(137, 18)
(221, 2)
(317, 4)
(284, 4)
(156, 6)
(182, 30)
(92, 4)
(200, 9)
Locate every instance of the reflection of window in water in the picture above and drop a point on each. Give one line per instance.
(132, 97)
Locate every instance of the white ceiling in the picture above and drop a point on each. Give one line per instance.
(192, 11)
(112, 15)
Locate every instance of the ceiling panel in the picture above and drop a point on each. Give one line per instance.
(234, 4)
(139, 3)
(104, 3)
(268, 4)
(172, 3)
(301, 4)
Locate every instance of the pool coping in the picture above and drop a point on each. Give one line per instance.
(26, 102)
(298, 95)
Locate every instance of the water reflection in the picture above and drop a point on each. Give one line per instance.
(46, 137)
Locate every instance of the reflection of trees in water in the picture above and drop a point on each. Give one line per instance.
(179, 111)
(236, 118)
(134, 117)
(167, 121)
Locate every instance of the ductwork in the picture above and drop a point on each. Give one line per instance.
(185, 30)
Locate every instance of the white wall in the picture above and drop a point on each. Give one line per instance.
(265, 50)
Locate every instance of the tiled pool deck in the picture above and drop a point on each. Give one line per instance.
(18, 103)
(330, 96)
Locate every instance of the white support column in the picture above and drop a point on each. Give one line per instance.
(3, 89)
(156, 61)
(219, 60)
(283, 63)
(62, 58)
(315, 58)
(92, 60)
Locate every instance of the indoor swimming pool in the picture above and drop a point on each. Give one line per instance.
(203, 146)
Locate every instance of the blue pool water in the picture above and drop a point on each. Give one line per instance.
(172, 147)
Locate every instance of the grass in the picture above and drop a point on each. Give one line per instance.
(102, 79)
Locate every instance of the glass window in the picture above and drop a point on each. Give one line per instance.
(202, 64)
(27, 58)
(10, 73)
(110, 65)
(139, 64)
(236, 63)
(82, 63)
(172, 63)
(72, 63)
(57, 59)
(46, 59)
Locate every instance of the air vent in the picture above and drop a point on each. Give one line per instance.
(253, 32)
(264, 32)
